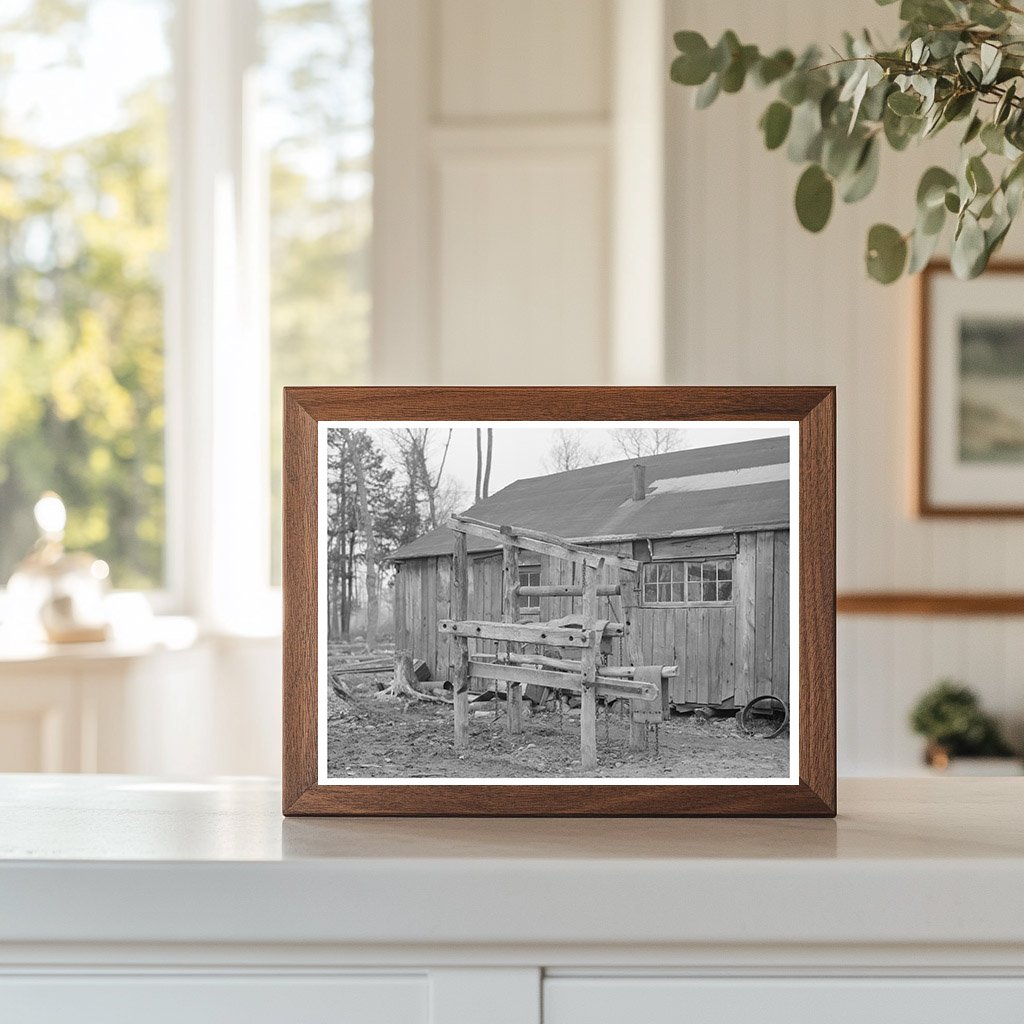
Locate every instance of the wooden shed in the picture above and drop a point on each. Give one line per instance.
(711, 527)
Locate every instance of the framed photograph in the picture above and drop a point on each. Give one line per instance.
(970, 450)
(559, 601)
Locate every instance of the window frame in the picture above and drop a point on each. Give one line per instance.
(523, 605)
(685, 562)
(215, 319)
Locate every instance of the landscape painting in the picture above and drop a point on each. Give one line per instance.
(544, 602)
(991, 389)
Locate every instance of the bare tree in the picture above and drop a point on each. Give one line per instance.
(567, 452)
(483, 463)
(636, 442)
(487, 465)
(415, 454)
(479, 464)
(366, 528)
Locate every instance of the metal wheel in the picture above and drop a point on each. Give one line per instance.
(764, 716)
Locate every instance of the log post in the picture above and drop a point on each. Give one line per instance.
(459, 645)
(634, 652)
(509, 613)
(588, 698)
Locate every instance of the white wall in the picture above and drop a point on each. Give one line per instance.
(500, 156)
(754, 299)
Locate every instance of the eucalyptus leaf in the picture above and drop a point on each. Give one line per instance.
(987, 15)
(993, 138)
(958, 105)
(805, 133)
(794, 88)
(1005, 105)
(903, 103)
(771, 69)
(840, 152)
(707, 93)
(931, 190)
(991, 61)
(978, 176)
(922, 248)
(886, 253)
(900, 130)
(814, 196)
(973, 130)
(968, 248)
(724, 51)
(688, 69)
(865, 173)
(775, 124)
(735, 74)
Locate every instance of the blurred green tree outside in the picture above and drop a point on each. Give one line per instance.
(83, 242)
(83, 215)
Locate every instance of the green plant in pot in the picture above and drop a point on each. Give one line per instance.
(957, 63)
(950, 717)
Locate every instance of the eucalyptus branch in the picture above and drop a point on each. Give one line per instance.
(955, 61)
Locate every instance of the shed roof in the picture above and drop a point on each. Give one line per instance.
(723, 488)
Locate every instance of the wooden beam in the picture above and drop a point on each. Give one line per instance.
(929, 603)
(543, 543)
(539, 546)
(572, 682)
(588, 664)
(603, 671)
(458, 650)
(611, 629)
(605, 590)
(629, 671)
(633, 653)
(520, 632)
(700, 531)
(509, 608)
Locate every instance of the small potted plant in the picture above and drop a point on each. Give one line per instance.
(950, 717)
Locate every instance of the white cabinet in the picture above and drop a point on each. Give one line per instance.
(99, 707)
(133, 899)
(202, 999)
(828, 1000)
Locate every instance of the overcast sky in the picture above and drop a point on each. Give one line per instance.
(521, 452)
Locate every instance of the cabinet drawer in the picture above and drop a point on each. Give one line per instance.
(660, 1000)
(202, 999)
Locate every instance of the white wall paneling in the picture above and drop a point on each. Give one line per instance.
(751, 298)
(501, 197)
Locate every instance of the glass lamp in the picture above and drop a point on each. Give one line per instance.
(55, 595)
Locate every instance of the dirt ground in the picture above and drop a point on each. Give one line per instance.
(369, 737)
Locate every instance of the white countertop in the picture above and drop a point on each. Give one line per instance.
(119, 859)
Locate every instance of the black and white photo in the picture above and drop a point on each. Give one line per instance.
(570, 601)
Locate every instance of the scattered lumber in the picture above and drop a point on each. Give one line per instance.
(355, 668)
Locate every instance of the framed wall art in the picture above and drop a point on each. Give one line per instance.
(559, 601)
(970, 444)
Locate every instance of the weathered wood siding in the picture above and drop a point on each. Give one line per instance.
(725, 654)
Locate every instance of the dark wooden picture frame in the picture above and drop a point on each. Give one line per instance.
(923, 503)
(813, 408)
